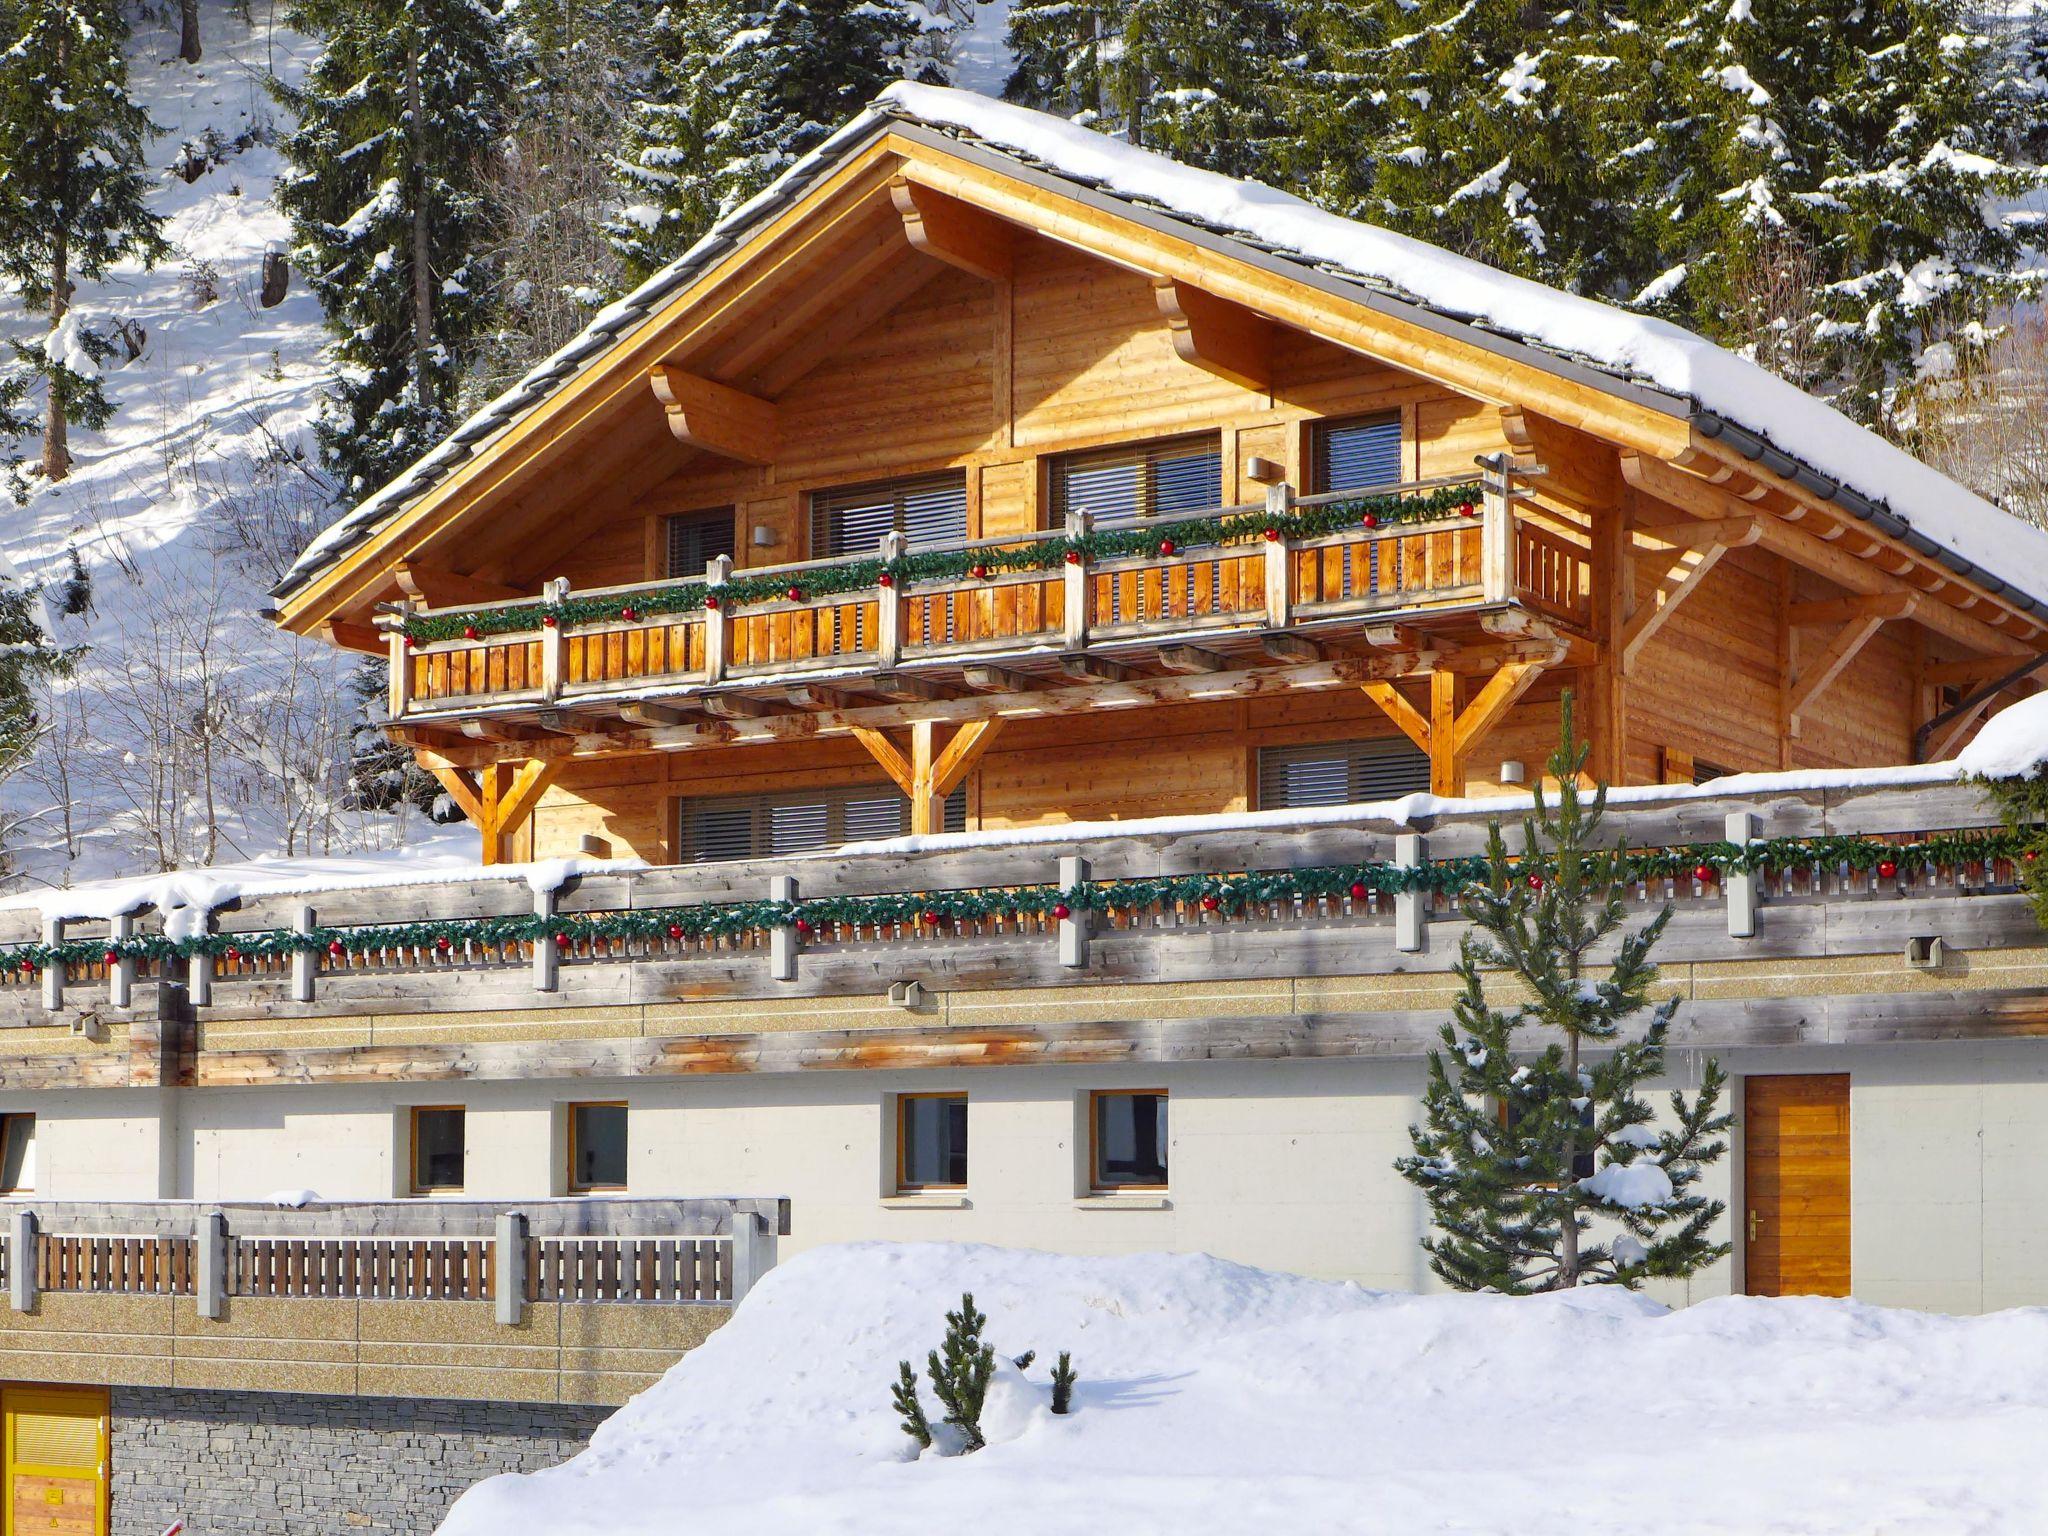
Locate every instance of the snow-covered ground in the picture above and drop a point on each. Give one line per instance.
(1218, 1398)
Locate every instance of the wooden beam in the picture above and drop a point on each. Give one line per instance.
(703, 413)
(736, 706)
(1492, 703)
(1294, 649)
(516, 801)
(1813, 678)
(852, 305)
(817, 696)
(1701, 533)
(1846, 610)
(355, 637)
(1213, 334)
(886, 754)
(652, 714)
(462, 788)
(1085, 664)
(993, 679)
(1413, 723)
(449, 589)
(1681, 578)
(903, 686)
(1446, 771)
(948, 230)
(969, 742)
(1975, 669)
(1406, 637)
(1942, 741)
(1189, 659)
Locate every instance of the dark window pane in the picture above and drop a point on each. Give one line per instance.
(437, 1136)
(1340, 772)
(1356, 455)
(799, 821)
(927, 509)
(1124, 485)
(934, 1141)
(17, 1154)
(695, 539)
(597, 1146)
(1130, 1140)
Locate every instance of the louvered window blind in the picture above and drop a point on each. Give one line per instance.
(695, 539)
(799, 821)
(1356, 455)
(1340, 772)
(1125, 485)
(926, 509)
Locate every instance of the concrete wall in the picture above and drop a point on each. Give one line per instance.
(1283, 1164)
(265, 1464)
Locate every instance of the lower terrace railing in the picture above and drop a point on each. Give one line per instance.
(1293, 561)
(623, 1250)
(1367, 891)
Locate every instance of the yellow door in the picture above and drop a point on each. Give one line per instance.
(56, 1460)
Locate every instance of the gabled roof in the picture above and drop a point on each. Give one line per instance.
(1650, 362)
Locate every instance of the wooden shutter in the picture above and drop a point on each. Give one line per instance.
(1356, 455)
(1128, 484)
(798, 821)
(926, 510)
(1340, 772)
(695, 539)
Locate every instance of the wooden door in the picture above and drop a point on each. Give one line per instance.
(56, 1460)
(1796, 1185)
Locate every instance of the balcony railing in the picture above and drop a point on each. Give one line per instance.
(600, 647)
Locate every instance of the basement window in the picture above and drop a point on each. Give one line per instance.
(925, 509)
(1340, 772)
(438, 1137)
(597, 1147)
(1139, 481)
(692, 540)
(1362, 453)
(795, 821)
(1127, 1140)
(931, 1142)
(17, 1154)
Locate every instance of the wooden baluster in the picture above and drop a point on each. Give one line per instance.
(1279, 589)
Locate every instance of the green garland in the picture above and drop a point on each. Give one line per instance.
(1224, 894)
(1309, 522)
(2023, 806)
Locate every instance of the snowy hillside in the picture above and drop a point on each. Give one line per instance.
(1218, 1398)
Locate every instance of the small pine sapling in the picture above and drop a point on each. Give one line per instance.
(960, 1372)
(904, 1396)
(1023, 1361)
(1063, 1375)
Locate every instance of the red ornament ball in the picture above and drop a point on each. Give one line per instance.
(978, 572)
(1368, 521)
(931, 917)
(1272, 535)
(1704, 873)
(1073, 557)
(28, 965)
(336, 948)
(232, 953)
(469, 631)
(563, 941)
(1886, 868)
(549, 621)
(2030, 855)
(1535, 882)
(1358, 892)
(1062, 911)
(1210, 903)
(113, 957)
(796, 594)
(410, 642)
(711, 603)
(1467, 509)
(629, 613)
(442, 943)
(803, 925)
(675, 930)
(885, 580)
(1166, 546)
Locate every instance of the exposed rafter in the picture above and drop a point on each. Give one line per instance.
(447, 589)
(948, 230)
(702, 413)
(1214, 334)
(1447, 733)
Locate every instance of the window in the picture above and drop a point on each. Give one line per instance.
(1127, 1140)
(1124, 485)
(925, 509)
(1356, 455)
(931, 1141)
(1510, 1115)
(1340, 772)
(17, 1154)
(798, 821)
(597, 1147)
(437, 1142)
(695, 539)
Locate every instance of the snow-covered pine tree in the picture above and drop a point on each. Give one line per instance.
(1521, 1146)
(1833, 189)
(741, 90)
(395, 121)
(1201, 80)
(71, 160)
(28, 657)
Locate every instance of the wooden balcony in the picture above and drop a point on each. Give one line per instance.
(543, 1301)
(1484, 577)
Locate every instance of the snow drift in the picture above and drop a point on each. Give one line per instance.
(1215, 1397)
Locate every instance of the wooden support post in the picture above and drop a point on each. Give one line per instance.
(1738, 886)
(1446, 768)
(889, 610)
(508, 1269)
(717, 573)
(1279, 588)
(121, 974)
(927, 812)
(1074, 926)
(1496, 531)
(399, 691)
(210, 1264)
(305, 962)
(53, 970)
(782, 945)
(547, 954)
(753, 1251)
(21, 1261)
(1411, 920)
(928, 773)
(1448, 734)
(1075, 635)
(552, 642)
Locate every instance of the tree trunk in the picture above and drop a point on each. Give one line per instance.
(188, 31)
(422, 276)
(1568, 1234)
(56, 423)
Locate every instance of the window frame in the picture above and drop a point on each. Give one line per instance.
(667, 524)
(901, 1183)
(1096, 1184)
(1142, 449)
(835, 797)
(899, 489)
(570, 1182)
(1318, 428)
(1391, 746)
(412, 1168)
(7, 1121)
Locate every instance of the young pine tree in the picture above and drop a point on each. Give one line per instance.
(395, 121)
(1523, 1144)
(71, 160)
(27, 657)
(741, 90)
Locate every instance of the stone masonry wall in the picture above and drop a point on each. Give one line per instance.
(278, 1464)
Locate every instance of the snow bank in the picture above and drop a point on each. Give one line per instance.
(2012, 744)
(1214, 1397)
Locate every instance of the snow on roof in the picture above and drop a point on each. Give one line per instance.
(2013, 743)
(1949, 521)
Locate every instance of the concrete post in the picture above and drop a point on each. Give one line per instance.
(121, 974)
(199, 973)
(547, 954)
(1411, 920)
(1074, 926)
(21, 1261)
(210, 1264)
(753, 1251)
(1739, 886)
(305, 961)
(782, 946)
(53, 972)
(509, 1269)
